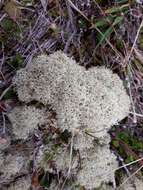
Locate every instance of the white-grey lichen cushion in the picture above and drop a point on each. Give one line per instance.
(83, 99)
(87, 103)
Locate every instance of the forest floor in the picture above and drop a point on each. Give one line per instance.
(94, 32)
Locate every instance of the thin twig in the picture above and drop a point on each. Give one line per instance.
(137, 114)
(80, 12)
(130, 177)
(5, 91)
(133, 162)
(3, 57)
(3, 16)
(71, 153)
(131, 96)
(134, 44)
(4, 126)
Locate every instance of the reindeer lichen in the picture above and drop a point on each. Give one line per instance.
(91, 99)
(25, 119)
(97, 168)
(87, 103)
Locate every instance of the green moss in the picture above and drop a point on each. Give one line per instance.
(123, 136)
(9, 26)
(17, 61)
(106, 26)
(27, 2)
(115, 143)
(9, 94)
(135, 144)
(82, 24)
(132, 141)
(48, 156)
(129, 159)
(10, 33)
(119, 44)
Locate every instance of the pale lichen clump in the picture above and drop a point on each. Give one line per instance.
(25, 119)
(97, 168)
(90, 100)
(83, 141)
(87, 103)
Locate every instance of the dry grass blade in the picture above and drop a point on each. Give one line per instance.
(131, 96)
(71, 154)
(5, 91)
(80, 12)
(134, 44)
(130, 72)
(44, 4)
(129, 164)
(130, 177)
(2, 17)
(138, 55)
